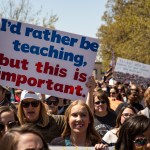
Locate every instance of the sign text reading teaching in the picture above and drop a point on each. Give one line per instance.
(51, 36)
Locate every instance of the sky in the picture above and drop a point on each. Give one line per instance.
(81, 17)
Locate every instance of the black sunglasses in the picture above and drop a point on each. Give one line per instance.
(140, 141)
(112, 93)
(135, 90)
(100, 102)
(55, 103)
(9, 125)
(33, 104)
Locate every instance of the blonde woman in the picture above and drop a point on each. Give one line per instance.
(31, 110)
(79, 128)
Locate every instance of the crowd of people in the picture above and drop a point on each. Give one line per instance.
(115, 116)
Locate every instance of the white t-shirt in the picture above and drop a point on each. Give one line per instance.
(110, 136)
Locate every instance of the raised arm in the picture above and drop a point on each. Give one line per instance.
(91, 84)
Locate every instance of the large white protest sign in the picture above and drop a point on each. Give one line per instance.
(132, 67)
(44, 60)
(76, 148)
(131, 70)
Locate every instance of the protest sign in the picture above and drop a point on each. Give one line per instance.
(127, 70)
(46, 61)
(76, 148)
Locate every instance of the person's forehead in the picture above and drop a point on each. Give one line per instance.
(120, 87)
(78, 108)
(133, 87)
(29, 138)
(7, 116)
(112, 90)
(127, 110)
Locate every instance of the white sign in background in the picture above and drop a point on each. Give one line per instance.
(76, 148)
(132, 67)
(44, 60)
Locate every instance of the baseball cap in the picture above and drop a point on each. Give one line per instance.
(47, 96)
(29, 94)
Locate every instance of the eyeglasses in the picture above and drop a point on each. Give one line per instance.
(55, 103)
(9, 125)
(127, 115)
(33, 104)
(100, 102)
(141, 141)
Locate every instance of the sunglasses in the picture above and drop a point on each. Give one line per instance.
(140, 141)
(55, 103)
(100, 102)
(112, 93)
(126, 115)
(9, 125)
(120, 89)
(33, 104)
(135, 90)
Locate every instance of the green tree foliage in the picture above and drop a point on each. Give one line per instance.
(126, 31)
(22, 10)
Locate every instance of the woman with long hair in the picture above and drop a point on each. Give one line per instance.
(111, 136)
(98, 102)
(134, 134)
(79, 127)
(31, 110)
(8, 119)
